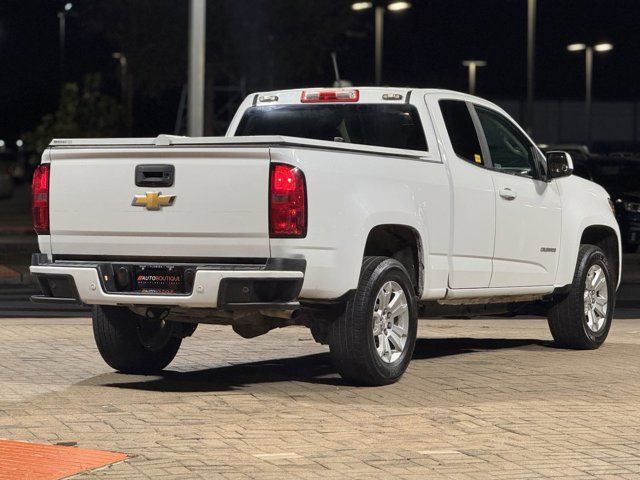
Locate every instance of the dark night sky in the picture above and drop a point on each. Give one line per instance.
(424, 47)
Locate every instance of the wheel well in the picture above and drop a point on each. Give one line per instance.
(606, 239)
(402, 243)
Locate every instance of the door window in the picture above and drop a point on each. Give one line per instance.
(511, 152)
(461, 130)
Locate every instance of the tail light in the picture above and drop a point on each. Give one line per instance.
(287, 202)
(40, 200)
(320, 96)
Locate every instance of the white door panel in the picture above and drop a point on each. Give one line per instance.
(474, 223)
(527, 231)
(473, 202)
(528, 209)
(469, 272)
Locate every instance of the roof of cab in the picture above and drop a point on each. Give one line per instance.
(362, 88)
(366, 95)
(293, 95)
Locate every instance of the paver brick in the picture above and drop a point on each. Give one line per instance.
(481, 399)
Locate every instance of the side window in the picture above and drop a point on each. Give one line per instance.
(461, 130)
(511, 152)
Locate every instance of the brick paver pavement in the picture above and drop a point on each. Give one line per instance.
(481, 399)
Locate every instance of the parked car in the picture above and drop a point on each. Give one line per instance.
(342, 210)
(7, 164)
(620, 176)
(618, 173)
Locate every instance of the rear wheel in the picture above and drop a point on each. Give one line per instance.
(372, 341)
(582, 318)
(132, 343)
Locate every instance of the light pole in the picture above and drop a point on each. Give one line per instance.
(197, 36)
(473, 65)
(126, 85)
(394, 6)
(122, 60)
(62, 20)
(588, 60)
(531, 42)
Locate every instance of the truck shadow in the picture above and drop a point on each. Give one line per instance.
(310, 369)
(428, 348)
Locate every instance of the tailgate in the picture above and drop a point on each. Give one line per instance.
(219, 209)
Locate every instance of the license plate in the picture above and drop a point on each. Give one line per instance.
(163, 279)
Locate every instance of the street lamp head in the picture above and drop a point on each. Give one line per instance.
(68, 6)
(603, 47)
(398, 6)
(121, 57)
(357, 6)
(477, 63)
(576, 47)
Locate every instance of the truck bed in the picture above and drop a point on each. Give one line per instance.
(257, 141)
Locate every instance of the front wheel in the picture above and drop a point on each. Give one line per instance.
(582, 318)
(372, 341)
(132, 343)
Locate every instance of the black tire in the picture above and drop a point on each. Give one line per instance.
(351, 340)
(567, 319)
(127, 344)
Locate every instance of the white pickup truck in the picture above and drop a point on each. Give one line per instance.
(348, 211)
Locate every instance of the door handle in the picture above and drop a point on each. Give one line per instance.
(508, 194)
(155, 175)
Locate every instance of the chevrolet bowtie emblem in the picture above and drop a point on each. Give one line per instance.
(153, 200)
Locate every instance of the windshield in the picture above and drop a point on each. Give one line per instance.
(395, 126)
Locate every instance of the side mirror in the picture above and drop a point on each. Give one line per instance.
(559, 164)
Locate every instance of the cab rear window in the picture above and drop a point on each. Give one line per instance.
(395, 126)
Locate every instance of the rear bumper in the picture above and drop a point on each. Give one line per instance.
(275, 284)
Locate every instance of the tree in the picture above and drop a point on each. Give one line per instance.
(83, 112)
